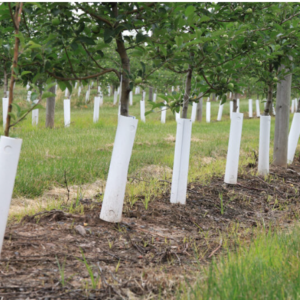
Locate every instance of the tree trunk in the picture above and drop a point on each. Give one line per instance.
(125, 66)
(188, 86)
(17, 20)
(282, 121)
(234, 109)
(298, 110)
(199, 110)
(268, 108)
(50, 109)
(151, 93)
(213, 97)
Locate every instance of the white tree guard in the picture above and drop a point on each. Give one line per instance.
(113, 200)
(257, 109)
(115, 97)
(264, 145)
(208, 112)
(181, 161)
(230, 95)
(220, 112)
(28, 96)
(238, 105)
(96, 109)
(108, 91)
(27, 86)
(99, 89)
(4, 110)
(87, 96)
(35, 114)
(172, 88)
(274, 111)
(10, 149)
(293, 137)
(79, 90)
(194, 111)
(76, 85)
(67, 112)
(177, 116)
(250, 108)
(233, 153)
(66, 93)
(142, 110)
(154, 97)
(163, 113)
(144, 95)
(101, 99)
(130, 98)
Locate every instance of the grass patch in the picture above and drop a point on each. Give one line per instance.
(268, 269)
(84, 149)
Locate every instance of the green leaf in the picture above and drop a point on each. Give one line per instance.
(62, 85)
(86, 40)
(25, 73)
(189, 10)
(39, 106)
(47, 95)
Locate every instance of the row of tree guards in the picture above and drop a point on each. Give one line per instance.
(117, 177)
(98, 102)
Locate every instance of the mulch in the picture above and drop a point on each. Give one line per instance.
(63, 255)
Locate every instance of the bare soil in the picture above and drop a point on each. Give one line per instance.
(152, 250)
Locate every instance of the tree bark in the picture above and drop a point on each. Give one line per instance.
(199, 110)
(213, 97)
(188, 86)
(282, 120)
(268, 108)
(151, 93)
(16, 20)
(125, 66)
(234, 109)
(50, 109)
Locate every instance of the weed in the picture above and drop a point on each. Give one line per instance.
(61, 272)
(94, 280)
(221, 200)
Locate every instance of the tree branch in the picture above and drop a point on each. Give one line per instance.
(94, 15)
(12, 16)
(70, 63)
(84, 78)
(140, 9)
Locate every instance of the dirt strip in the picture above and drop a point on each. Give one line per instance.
(62, 255)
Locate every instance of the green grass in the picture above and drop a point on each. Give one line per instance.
(268, 269)
(84, 149)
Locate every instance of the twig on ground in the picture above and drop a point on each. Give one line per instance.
(221, 242)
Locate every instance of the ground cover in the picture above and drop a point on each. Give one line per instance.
(70, 253)
(56, 245)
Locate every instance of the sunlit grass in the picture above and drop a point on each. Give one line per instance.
(268, 269)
